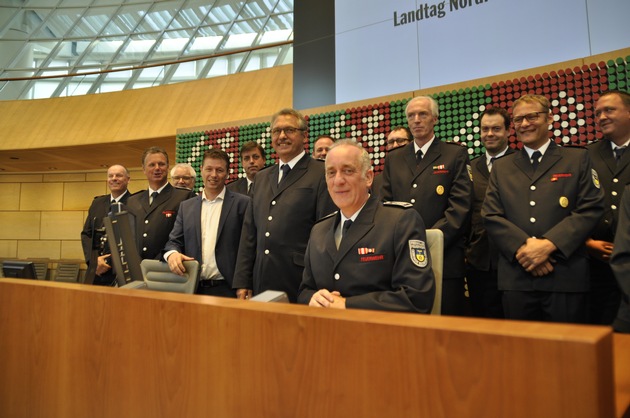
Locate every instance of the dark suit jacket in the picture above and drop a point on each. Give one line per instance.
(377, 185)
(374, 267)
(481, 253)
(186, 234)
(97, 211)
(277, 226)
(154, 223)
(620, 262)
(238, 186)
(440, 189)
(561, 201)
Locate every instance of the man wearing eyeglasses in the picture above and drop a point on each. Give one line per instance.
(612, 115)
(183, 175)
(481, 254)
(399, 136)
(288, 198)
(541, 205)
(434, 176)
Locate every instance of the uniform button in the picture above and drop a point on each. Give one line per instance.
(270, 218)
(273, 203)
(266, 234)
(532, 187)
(144, 249)
(532, 203)
(532, 220)
(337, 276)
(144, 235)
(415, 186)
(613, 207)
(266, 251)
(615, 180)
(413, 201)
(146, 221)
(614, 193)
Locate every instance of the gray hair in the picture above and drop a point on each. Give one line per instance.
(190, 168)
(364, 158)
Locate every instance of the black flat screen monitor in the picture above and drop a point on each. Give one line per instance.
(19, 269)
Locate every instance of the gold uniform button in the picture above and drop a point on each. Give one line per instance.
(415, 186)
(614, 193)
(412, 201)
(266, 251)
(532, 220)
(613, 207)
(439, 190)
(532, 187)
(564, 202)
(267, 234)
(615, 180)
(532, 203)
(273, 203)
(270, 218)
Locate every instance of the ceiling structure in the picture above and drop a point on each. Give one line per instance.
(60, 48)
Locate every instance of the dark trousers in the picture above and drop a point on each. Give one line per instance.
(485, 296)
(605, 295)
(454, 300)
(546, 306)
(215, 288)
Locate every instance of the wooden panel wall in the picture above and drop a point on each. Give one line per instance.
(72, 350)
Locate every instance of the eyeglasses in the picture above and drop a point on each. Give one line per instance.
(287, 131)
(531, 117)
(399, 141)
(185, 178)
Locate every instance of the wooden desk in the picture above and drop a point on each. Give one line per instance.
(69, 350)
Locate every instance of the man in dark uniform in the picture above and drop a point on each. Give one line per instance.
(482, 255)
(367, 255)
(253, 160)
(117, 181)
(612, 114)
(398, 137)
(288, 199)
(155, 209)
(541, 205)
(208, 229)
(620, 263)
(435, 177)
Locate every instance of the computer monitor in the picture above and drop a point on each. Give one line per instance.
(19, 269)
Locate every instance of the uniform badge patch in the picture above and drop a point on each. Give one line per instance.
(595, 178)
(418, 252)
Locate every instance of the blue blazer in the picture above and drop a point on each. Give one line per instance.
(186, 234)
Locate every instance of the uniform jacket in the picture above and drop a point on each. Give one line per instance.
(480, 252)
(439, 188)
(238, 186)
(186, 234)
(620, 262)
(562, 202)
(97, 211)
(382, 263)
(154, 223)
(277, 226)
(613, 180)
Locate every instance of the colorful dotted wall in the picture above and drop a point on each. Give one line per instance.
(572, 92)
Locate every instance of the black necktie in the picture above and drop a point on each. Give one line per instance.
(249, 188)
(153, 196)
(418, 156)
(618, 153)
(346, 225)
(285, 170)
(491, 163)
(536, 156)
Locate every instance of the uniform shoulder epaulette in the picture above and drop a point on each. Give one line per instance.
(394, 204)
(330, 215)
(398, 149)
(460, 144)
(138, 192)
(574, 146)
(101, 195)
(265, 167)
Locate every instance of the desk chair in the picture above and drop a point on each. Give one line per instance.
(435, 241)
(157, 276)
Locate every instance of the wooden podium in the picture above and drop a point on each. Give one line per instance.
(71, 350)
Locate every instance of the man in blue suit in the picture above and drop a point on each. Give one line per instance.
(208, 229)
